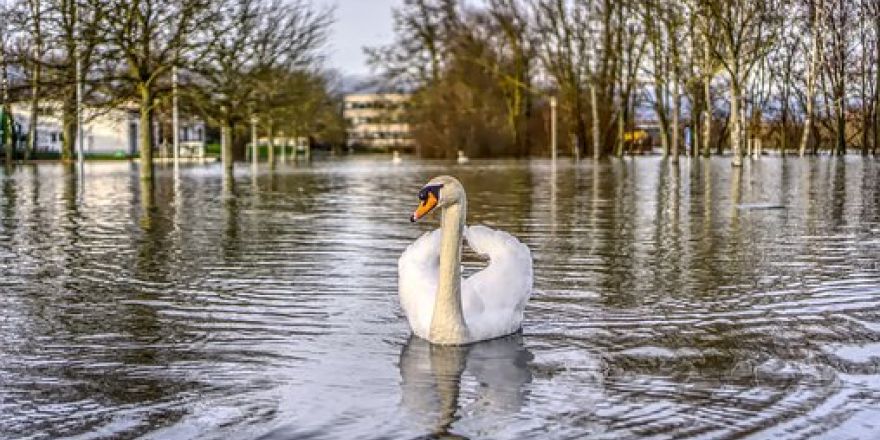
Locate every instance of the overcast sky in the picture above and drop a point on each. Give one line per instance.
(358, 23)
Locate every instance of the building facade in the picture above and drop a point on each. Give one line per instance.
(105, 131)
(376, 121)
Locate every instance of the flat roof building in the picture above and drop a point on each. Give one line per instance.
(376, 121)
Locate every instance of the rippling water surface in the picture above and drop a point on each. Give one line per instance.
(689, 302)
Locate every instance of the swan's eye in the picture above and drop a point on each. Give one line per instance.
(430, 189)
(428, 197)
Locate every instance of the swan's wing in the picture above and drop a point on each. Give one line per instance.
(494, 298)
(417, 271)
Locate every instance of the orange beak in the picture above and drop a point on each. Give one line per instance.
(424, 207)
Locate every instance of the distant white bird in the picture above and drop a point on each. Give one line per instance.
(396, 159)
(442, 307)
(462, 158)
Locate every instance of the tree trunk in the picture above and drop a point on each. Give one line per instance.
(68, 127)
(6, 119)
(581, 134)
(226, 147)
(841, 126)
(145, 143)
(735, 123)
(876, 84)
(707, 96)
(620, 131)
(35, 109)
(271, 152)
(707, 122)
(35, 85)
(784, 121)
(8, 142)
(675, 117)
(811, 82)
(597, 139)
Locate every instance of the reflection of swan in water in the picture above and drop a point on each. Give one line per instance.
(432, 378)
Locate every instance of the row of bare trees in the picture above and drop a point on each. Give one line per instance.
(710, 75)
(237, 60)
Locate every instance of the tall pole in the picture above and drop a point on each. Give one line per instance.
(553, 129)
(79, 91)
(175, 121)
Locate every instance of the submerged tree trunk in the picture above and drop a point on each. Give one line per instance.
(707, 94)
(35, 84)
(35, 111)
(811, 81)
(876, 83)
(735, 130)
(597, 139)
(675, 117)
(145, 143)
(8, 142)
(707, 122)
(271, 152)
(226, 147)
(841, 127)
(68, 127)
(618, 150)
(6, 119)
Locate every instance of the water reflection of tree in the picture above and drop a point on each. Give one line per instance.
(230, 241)
(612, 223)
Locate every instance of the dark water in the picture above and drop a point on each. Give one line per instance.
(669, 303)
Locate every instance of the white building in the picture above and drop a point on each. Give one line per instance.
(105, 131)
(377, 121)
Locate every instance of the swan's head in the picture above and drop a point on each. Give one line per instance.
(441, 191)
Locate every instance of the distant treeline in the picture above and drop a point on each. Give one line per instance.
(798, 75)
(237, 60)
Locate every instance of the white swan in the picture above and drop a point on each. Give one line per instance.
(462, 158)
(396, 159)
(440, 306)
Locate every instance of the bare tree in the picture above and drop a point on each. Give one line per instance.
(815, 8)
(875, 12)
(36, 19)
(747, 32)
(149, 37)
(838, 59)
(257, 41)
(6, 121)
(564, 52)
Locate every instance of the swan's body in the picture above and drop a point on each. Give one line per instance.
(442, 307)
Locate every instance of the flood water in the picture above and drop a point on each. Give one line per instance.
(688, 302)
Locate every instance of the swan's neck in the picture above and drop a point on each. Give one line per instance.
(447, 322)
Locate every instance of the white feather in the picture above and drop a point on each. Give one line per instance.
(493, 299)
